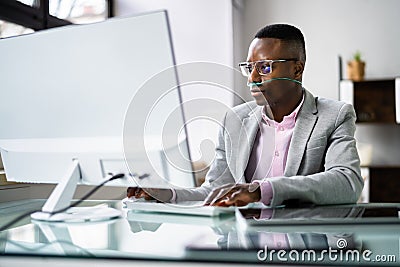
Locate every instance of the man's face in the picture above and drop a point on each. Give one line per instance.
(277, 91)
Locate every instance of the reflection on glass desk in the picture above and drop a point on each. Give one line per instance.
(175, 237)
(331, 235)
(321, 215)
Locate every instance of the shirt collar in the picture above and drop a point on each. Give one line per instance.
(290, 117)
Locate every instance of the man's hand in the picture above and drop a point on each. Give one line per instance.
(234, 195)
(162, 195)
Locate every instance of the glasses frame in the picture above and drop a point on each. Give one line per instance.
(243, 65)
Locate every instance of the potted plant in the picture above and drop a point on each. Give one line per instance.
(356, 68)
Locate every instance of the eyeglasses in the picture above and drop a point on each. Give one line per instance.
(263, 67)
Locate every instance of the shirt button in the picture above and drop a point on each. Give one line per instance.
(281, 128)
(276, 153)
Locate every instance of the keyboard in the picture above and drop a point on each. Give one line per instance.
(195, 208)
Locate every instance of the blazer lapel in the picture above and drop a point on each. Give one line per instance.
(247, 135)
(305, 123)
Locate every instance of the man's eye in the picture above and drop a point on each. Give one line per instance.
(265, 68)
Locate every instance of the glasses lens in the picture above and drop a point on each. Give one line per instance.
(263, 67)
(246, 68)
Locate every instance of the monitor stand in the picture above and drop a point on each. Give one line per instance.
(61, 197)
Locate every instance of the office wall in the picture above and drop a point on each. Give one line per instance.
(333, 28)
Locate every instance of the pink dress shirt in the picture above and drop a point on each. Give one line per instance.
(268, 159)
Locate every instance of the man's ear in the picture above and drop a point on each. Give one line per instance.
(299, 68)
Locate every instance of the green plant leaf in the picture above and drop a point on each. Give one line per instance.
(357, 56)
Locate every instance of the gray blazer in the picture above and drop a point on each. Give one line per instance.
(322, 167)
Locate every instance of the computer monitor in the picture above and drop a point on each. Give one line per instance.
(83, 102)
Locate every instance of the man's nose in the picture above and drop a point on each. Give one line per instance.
(254, 76)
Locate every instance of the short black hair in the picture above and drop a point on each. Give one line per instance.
(288, 33)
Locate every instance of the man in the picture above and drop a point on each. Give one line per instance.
(287, 145)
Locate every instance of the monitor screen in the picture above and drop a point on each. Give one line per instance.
(105, 95)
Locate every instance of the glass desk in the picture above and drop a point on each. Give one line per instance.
(177, 238)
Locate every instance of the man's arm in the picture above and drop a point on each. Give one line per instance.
(218, 175)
